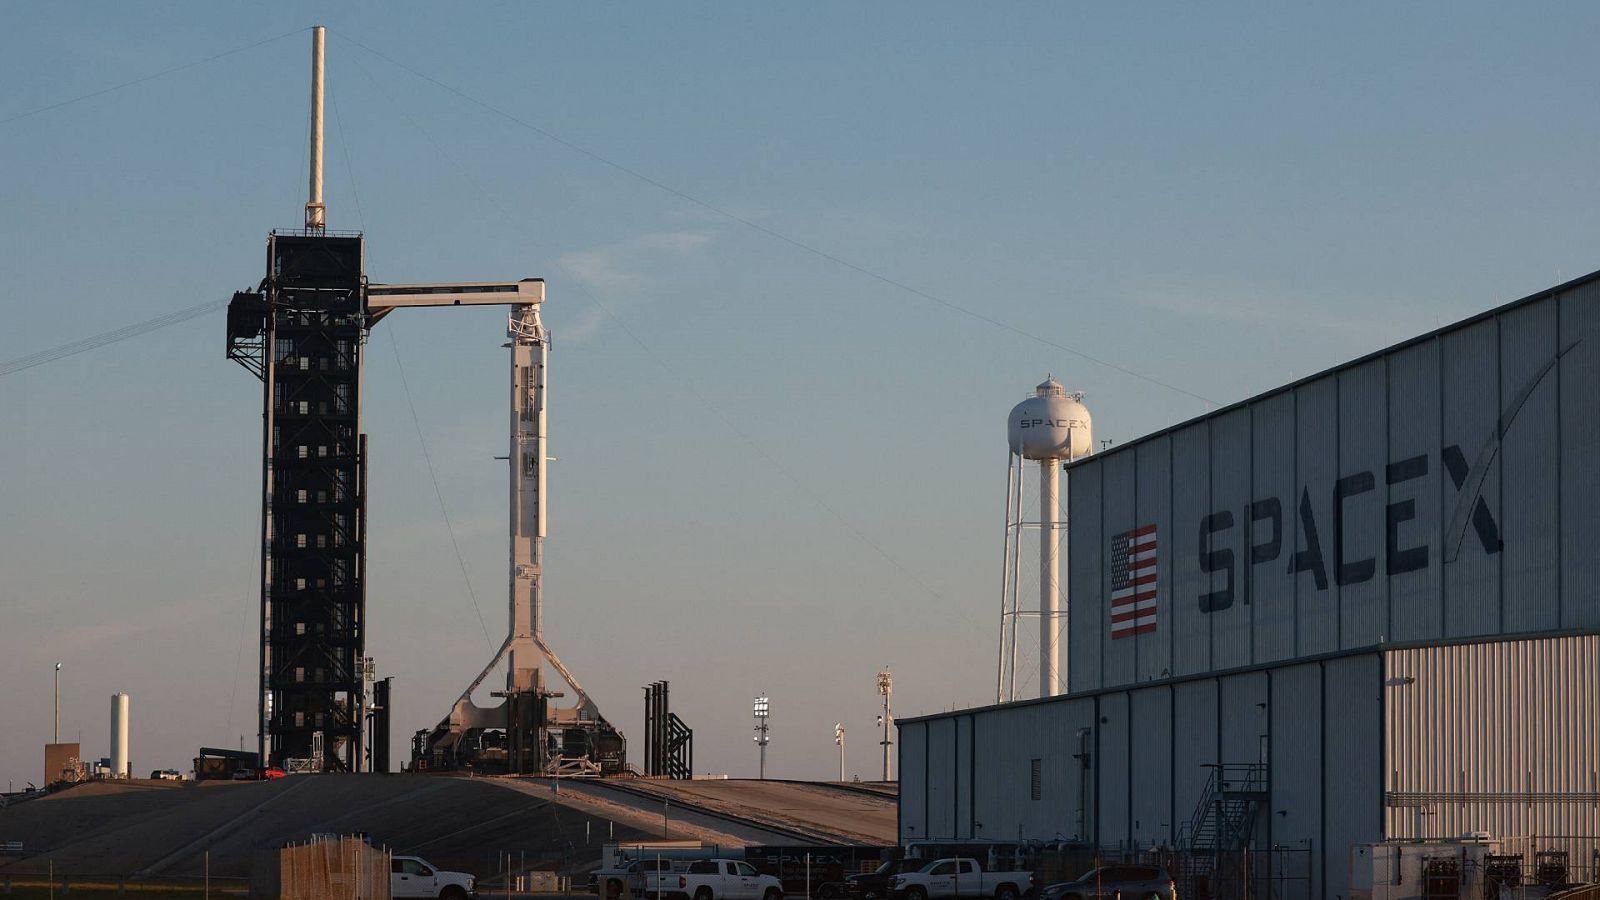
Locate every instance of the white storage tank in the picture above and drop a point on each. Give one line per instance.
(1049, 428)
(1052, 424)
(119, 736)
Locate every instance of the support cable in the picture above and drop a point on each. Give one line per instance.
(416, 422)
(674, 377)
(776, 234)
(144, 78)
(437, 493)
(106, 338)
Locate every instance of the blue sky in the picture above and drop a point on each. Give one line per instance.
(781, 473)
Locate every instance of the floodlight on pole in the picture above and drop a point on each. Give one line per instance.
(762, 708)
(886, 719)
(838, 738)
(58, 704)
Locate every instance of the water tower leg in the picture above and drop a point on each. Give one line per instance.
(1049, 576)
(1005, 587)
(1016, 579)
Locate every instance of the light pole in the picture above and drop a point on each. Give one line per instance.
(762, 708)
(886, 720)
(838, 738)
(58, 703)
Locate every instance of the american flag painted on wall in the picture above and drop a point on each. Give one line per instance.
(1133, 582)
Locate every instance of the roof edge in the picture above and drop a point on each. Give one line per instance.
(1349, 364)
(1367, 650)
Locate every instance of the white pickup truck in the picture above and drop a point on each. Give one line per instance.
(713, 879)
(958, 877)
(622, 880)
(411, 876)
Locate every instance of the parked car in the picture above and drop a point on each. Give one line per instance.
(713, 879)
(243, 775)
(412, 876)
(959, 877)
(1126, 882)
(874, 885)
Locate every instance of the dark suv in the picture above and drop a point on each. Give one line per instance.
(1116, 882)
(874, 885)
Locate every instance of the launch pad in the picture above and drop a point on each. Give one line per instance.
(303, 332)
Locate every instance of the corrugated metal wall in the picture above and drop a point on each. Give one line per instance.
(1231, 445)
(1579, 317)
(1117, 657)
(1086, 624)
(1154, 650)
(940, 817)
(1442, 490)
(1005, 741)
(1352, 763)
(1191, 500)
(1150, 751)
(1194, 745)
(913, 769)
(1470, 364)
(1270, 583)
(1150, 765)
(1416, 603)
(1495, 736)
(1429, 742)
(1113, 756)
(1297, 761)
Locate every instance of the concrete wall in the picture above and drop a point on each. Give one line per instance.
(1442, 489)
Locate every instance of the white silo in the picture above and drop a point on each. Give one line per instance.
(119, 736)
(1051, 427)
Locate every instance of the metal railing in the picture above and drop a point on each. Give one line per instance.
(1217, 809)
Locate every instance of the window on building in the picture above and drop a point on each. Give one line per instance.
(1036, 779)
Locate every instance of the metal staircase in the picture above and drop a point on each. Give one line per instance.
(1223, 823)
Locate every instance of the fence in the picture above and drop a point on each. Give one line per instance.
(344, 868)
(1277, 873)
(1553, 860)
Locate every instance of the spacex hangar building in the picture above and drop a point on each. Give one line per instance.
(1377, 596)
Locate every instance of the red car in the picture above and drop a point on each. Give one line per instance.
(271, 774)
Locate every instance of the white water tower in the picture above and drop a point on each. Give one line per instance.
(1053, 428)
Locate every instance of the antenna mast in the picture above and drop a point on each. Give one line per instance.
(316, 212)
